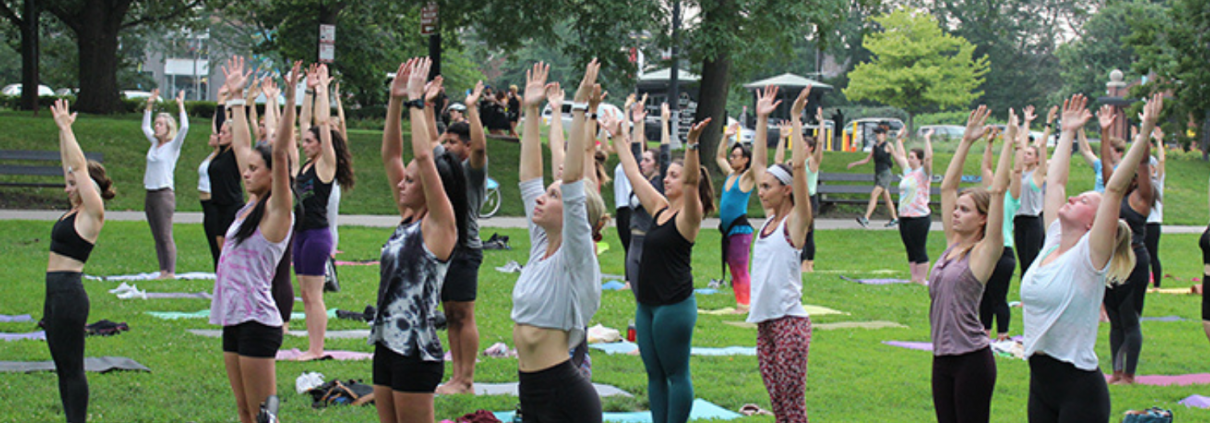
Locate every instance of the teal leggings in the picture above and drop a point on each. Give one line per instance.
(665, 336)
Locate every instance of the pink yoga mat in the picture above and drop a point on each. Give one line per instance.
(1179, 380)
(922, 346)
(293, 353)
(881, 281)
(1196, 401)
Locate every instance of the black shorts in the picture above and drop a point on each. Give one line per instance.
(406, 374)
(462, 278)
(252, 339)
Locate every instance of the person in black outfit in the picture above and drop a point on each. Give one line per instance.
(881, 154)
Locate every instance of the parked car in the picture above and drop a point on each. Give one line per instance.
(865, 131)
(943, 132)
(14, 90)
(745, 134)
(565, 115)
(136, 94)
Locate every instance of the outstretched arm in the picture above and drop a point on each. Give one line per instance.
(326, 168)
(1090, 158)
(579, 141)
(531, 142)
(800, 217)
(1104, 228)
(439, 224)
(478, 139)
(392, 133)
(987, 252)
(343, 128)
(250, 98)
(241, 138)
(431, 90)
(689, 220)
(75, 163)
(1161, 152)
(783, 139)
(148, 131)
(989, 159)
(975, 128)
(1106, 117)
(1039, 145)
(183, 129)
(272, 108)
(927, 160)
(821, 139)
(1075, 114)
(766, 103)
(277, 223)
(555, 136)
(898, 152)
(648, 196)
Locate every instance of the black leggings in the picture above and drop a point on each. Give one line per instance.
(1124, 305)
(1061, 393)
(623, 221)
(995, 296)
(1152, 242)
(963, 386)
(65, 314)
(216, 218)
(1028, 235)
(1204, 243)
(282, 288)
(808, 247)
(558, 394)
(914, 231)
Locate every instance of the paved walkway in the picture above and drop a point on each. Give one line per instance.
(389, 221)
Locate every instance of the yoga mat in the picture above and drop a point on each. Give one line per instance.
(813, 310)
(702, 410)
(199, 295)
(705, 291)
(511, 389)
(91, 364)
(613, 286)
(16, 318)
(332, 334)
(39, 336)
(1181, 291)
(293, 353)
(151, 276)
(201, 314)
(1163, 319)
(876, 272)
(625, 347)
(1196, 401)
(1178, 380)
(884, 281)
(357, 263)
(876, 324)
(922, 346)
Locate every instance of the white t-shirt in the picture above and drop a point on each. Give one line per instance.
(1062, 302)
(161, 159)
(621, 188)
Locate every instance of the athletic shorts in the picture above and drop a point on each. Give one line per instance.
(252, 339)
(883, 179)
(462, 278)
(312, 248)
(406, 374)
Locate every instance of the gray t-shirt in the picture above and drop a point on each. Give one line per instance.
(476, 190)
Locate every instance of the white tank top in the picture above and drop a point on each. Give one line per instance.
(776, 276)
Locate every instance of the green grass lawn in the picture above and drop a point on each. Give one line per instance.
(852, 376)
(124, 147)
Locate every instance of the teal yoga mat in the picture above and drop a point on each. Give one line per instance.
(702, 409)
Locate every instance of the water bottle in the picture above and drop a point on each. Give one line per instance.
(631, 334)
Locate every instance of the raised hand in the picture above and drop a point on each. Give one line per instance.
(64, 117)
(180, 98)
(554, 96)
(597, 97)
(1029, 114)
(1012, 116)
(399, 85)
(586, 85)
(235, 76)
(312, 76)
(1075, 112)
(433, 88)
(902, 133)
(800, 103)
(665, 113)
(1050, 115)
(610, 124)
(292, 78)
(976, 123)
(535, 86)
(1151, 111)
(416, 77)
(639, 111)
(928, 133)
(472, 100)
(269, 87)
(765, 101)
(323, 80)
(818, 116)
(1158, 134)
(695, 131)
(1106, 116)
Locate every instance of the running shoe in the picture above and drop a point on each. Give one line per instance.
(892, 223)
(865, 223)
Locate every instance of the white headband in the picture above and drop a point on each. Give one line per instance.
(781, 175)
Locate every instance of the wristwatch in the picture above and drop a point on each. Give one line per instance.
(417, 103)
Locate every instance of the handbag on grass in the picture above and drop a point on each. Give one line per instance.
(1150, 415)
(331, 283)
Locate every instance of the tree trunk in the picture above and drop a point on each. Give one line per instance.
(29, 57)
(712, 103)
(98, 50)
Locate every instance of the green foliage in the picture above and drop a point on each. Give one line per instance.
(916, 66)
(1171, 41)
(1086, 62)
(942, 118)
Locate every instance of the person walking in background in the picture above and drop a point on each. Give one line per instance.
(881, 154)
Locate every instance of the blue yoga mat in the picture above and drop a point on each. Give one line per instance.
(702, 409)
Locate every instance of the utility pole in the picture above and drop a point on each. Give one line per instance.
(674, 93)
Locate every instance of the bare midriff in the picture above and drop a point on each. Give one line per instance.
(539, 348)
(61, 263)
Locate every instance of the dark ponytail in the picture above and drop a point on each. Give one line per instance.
(105, 185)
(453, 180)
(344, 160)
(250, 223)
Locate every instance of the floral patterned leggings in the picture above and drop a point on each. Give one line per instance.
(781, 349)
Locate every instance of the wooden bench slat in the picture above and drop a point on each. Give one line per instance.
(43, 155)
(31, 170)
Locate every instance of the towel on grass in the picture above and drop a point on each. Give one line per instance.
(16, 318)
(626, 347)
(876, 324)
(199, 295)
(701, 410)
(91, 364)
(1163, 319)
(37, 336)
(332, 334)
(151, 276)
(1196, 401)
(293, 353)
(511, 389)
(1178, 380)
(813, 310)
(922, 346)
(613, 286)
(1178, 291)
(881, 281)
(201, 314)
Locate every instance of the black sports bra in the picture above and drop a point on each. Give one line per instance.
(65, 241)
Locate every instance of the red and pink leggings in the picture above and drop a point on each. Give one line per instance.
(738, 247)
(781, 349)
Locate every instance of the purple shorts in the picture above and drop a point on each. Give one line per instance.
(312, 249)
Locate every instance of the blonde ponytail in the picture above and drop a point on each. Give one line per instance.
(1123, 259)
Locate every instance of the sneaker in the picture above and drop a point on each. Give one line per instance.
(865, 223)
(268, 410)
(121, 288)
(892, 223)
(132, 294)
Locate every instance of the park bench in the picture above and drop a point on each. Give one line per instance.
(34, 164)
(839, 188)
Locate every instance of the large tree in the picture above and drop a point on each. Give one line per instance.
(1173, 43)
(1085, 63)
(25, 19)
(916, 66)
(96, 25)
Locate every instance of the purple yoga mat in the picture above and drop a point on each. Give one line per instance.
(293, 353)
(1196, 401)
(17, 318)
(883, 281)
(1163, 319)
(202, 295)
(922, 346)
(1179, 380)
(39, 335)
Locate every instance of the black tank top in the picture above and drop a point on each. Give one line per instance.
(65, 241)
(882, 158)
(313, 196)
(1137, 222)
(226, 186)
(665, 272)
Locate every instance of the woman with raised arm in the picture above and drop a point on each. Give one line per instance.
(964, 372)
(206, 189)
(72, 239)
(738, 183)
(1086, 247)
(327, 162)
(1155, 220)
(160, 203)
(914, 213)
(1027, 224)
(558, 291)
(783, 334)
(814, 161)
(1124, 302)
(243, 301)
(430, 193)
(994, 303)
(667, 310)
(654, 168)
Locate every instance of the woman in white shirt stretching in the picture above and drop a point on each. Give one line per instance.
(166, 140)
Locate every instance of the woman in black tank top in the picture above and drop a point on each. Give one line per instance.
(1124, 302)
(667, 310)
